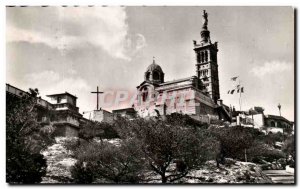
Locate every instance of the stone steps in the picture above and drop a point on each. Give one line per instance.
(280, 176)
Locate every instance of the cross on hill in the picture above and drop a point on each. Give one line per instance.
(97, 92)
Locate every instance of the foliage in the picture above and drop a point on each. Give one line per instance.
(164, 145)
(25, 138)
(289, 149)
(118, 164)
(235, 140)
(83, 173)
(24, 167)
(96, 129)
(72, 144)
(184, 120)
(259, 109)
(260, 150)
(272, 138)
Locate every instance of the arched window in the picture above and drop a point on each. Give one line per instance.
(148, 76)
(272, 124)
(144, 94)
(279, 125)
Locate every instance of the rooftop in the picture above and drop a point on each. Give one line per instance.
(62, 94)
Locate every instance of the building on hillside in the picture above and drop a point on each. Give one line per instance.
(261, 121)
(67, 116)
(100, 115)
(61, 112)
(129, 113)
(197, 95)
(274, 124)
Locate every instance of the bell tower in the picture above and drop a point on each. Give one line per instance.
(206, 61)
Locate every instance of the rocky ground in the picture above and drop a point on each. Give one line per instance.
(60, 160)
(234, 172)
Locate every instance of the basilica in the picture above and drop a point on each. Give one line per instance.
(197, 96)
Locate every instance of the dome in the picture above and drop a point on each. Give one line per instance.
(154, 73)
(153, 67)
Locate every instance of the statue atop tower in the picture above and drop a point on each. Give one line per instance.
(205, 36)
(204, 20)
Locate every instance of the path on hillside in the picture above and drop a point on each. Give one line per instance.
(280, 176)
(59, 162)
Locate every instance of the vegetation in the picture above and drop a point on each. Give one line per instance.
(170, 148)
(95, 129)
(25, 138)
(118, 164)
(289, 149)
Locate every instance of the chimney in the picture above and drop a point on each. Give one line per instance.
(220, 102)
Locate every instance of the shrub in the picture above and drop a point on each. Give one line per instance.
(95, 129)
(164, 144)
(118, 164)
(83, 173)
(23, 167)
(184, 120)
(261, 151)
(25, 138)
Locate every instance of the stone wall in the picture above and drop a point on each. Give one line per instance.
(66, 130)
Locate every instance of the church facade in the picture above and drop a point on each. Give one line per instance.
(196, 95)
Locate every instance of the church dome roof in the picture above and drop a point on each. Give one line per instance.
(153, 67)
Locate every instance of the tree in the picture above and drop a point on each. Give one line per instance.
(118, 164)
(94, 129)
(235, 141)
(83, 173)
(259, 109)
(289, 149)
(172, 150)
(260, 150)
(184, 120)
(25, 138)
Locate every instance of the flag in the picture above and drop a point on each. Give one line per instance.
(240, 90)
(234, 78)
(232, 91)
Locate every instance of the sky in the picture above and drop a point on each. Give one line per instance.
(75, 49)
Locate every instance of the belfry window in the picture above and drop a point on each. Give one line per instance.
(205, 56)
(155, 75)
(198, 57)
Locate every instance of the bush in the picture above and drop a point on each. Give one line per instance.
(261, 151)
(289, 149)
(165, 143)
(95, 129)
(118, 164)
(25, 138)
(23, 167)
(83, 173)
(71, 144)
(184, 120)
